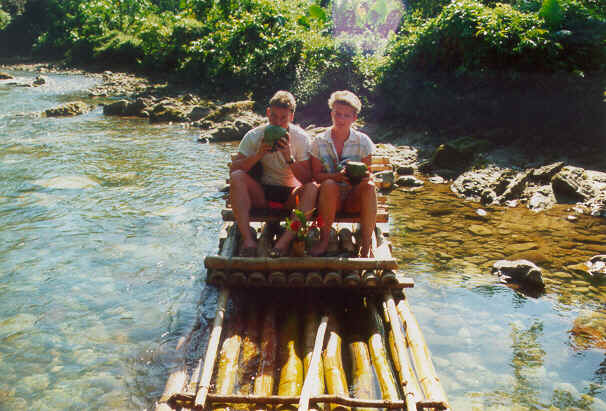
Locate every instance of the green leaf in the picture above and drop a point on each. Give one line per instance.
(317, 13)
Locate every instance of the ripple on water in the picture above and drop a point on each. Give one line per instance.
(67, 182)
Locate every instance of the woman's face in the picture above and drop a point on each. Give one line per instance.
(343, 115)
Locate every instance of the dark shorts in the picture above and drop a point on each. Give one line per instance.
(278, 194)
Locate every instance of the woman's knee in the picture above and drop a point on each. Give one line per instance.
(237, 176)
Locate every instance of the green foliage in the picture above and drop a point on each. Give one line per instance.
(552, 13)
(119, 48)
(5, 19)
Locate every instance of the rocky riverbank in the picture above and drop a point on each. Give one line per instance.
(522, 173)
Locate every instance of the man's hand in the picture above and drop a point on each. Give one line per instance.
(283, 146)
(264, 148)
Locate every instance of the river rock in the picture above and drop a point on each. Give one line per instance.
(5, 76)
(405, 170)
(39, 81)
(385, 179)
(543, 175)
(518, 271)
(224, 112)
(597, 265)
(117, 108)
(199, 112)
(571, 184)
(409, 181)
(70, 109)
(168, 111)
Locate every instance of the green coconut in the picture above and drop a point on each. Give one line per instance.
(356, 170)
(273, 134)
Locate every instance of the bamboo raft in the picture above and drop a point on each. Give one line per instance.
(328, 333)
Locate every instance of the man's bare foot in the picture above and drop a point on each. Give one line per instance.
(248, 249)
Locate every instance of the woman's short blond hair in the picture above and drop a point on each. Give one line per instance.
(283, 99)
(345, 97)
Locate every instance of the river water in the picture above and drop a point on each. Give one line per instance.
(104, 224)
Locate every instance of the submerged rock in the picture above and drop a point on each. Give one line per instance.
(5, 76)
(519, 271)
(66, 110)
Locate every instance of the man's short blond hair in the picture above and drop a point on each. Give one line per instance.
(283, 99)
(345, 97)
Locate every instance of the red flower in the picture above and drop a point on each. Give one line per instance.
(295, 225)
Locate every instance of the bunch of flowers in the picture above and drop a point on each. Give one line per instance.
(301, 223)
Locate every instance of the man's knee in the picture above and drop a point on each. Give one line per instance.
(238, 176)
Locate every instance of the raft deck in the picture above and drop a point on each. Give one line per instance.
(341, 273)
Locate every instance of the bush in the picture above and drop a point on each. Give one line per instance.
(5, 19)
(119, 48)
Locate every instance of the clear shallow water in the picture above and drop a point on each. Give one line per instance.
(104, 224)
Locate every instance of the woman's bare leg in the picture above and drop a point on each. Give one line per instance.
(245, 193)
(363, 199)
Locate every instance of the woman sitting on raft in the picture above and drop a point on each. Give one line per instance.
(329, 153)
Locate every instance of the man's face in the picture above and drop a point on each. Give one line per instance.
(279, 116)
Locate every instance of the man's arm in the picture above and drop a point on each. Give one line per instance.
(302, 170)
(241, 162)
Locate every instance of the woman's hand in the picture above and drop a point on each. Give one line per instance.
(340, 177)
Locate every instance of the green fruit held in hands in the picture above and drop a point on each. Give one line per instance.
(273, 134)
(356, 170)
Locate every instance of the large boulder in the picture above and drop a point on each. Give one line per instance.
(66, 110)
(519, 271)
(458, 154)
(571, 184)
(165, 112)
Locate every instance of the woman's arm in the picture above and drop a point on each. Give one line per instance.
(319, 175)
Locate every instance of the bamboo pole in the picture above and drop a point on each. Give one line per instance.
(332, 279)
(411, 395)
(313, 279)
(421, 355)
(334, 374)
(291, 372)
(277, 278)
(227, 365)
(378, 354)
(352, 279)
(250, 351)
(185, 399)
(346, 240)
(314, 379)
(265, 379)
(211, 350)
(298, 263)
(174, 383)
(257, 278)
(296, 279)
(228, 249)
(394, 355)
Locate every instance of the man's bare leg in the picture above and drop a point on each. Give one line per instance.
(328, 204)
(245, 193)
(308, 195)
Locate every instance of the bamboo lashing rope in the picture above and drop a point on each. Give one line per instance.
(211, 350)
(314, 364)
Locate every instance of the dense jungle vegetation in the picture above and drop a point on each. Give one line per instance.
(530, 67)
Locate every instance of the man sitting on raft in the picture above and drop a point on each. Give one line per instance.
(286, 173)
(330, 152)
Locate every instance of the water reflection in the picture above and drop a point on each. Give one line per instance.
(449, 247)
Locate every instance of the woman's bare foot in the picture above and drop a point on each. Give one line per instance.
(319, 249)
